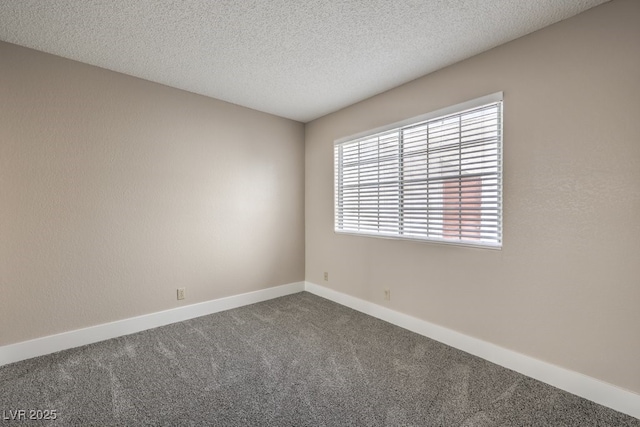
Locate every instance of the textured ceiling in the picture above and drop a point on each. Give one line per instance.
(296, 59)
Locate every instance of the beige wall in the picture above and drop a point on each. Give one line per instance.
(115, 191)
(565, 288)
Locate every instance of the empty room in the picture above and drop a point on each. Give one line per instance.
(320, 213)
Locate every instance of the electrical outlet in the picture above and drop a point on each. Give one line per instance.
(387, 294)
(181, 293)
(326, 276)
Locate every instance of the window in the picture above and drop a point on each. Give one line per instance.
(437, 177)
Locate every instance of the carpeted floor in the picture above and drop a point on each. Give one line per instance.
(299, 360)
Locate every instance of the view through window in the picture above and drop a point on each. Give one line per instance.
(437, 179)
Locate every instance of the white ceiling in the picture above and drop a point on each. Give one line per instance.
(296, 59)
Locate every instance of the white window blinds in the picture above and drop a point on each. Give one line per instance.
(433, 179)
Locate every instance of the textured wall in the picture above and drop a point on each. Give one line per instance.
(115, 191)
(565, 288)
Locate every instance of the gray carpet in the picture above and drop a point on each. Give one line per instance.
(299, 360)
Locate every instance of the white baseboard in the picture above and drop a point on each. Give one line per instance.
(576, 383)
(63, 341)
(603, 393)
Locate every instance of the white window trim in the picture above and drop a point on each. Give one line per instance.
(467, 105)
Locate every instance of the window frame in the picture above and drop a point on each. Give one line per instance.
(443, 112)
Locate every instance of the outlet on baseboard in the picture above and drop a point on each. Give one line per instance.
(326, 276)
(181, 293)
(387, 294)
